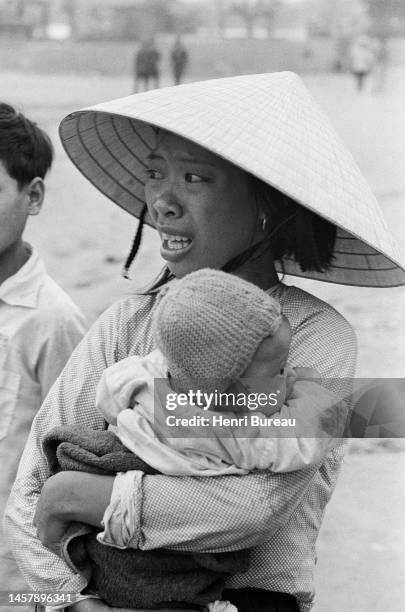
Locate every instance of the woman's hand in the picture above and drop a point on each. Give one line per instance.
(50, 529)
(49, 518)
(67, 497)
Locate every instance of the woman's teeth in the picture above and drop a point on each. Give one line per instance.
(175, 243)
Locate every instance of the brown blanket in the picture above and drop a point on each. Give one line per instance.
(132, 578)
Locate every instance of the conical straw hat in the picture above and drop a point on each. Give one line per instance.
(267, 124)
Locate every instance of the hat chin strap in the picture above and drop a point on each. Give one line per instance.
(246, 255)
(238, 261)
(136, 243)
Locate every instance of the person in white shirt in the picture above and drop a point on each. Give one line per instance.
(39, 324)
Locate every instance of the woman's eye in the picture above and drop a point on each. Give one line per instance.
(193, 178)
(154, 174)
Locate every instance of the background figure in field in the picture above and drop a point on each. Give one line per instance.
(147, 60)
(381, 64)
(179, 59)
(361, 59)
(340, 60)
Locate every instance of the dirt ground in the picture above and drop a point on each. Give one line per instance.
(84, 239)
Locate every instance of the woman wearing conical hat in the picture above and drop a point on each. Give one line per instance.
(243, 174)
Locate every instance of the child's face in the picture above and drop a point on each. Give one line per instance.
(15, 206)
(265, 374)
(271, 355)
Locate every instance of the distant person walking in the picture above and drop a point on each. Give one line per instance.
(340, 60)
(179, 58)
(361, 60)
(381, 64)
(146, 66)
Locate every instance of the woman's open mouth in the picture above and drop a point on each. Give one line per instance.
(174, 246)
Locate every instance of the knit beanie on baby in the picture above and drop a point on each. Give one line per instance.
(209, 324)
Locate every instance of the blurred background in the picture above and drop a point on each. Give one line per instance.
(60, 55)
(222, 36)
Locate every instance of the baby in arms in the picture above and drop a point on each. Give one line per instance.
(222, 352)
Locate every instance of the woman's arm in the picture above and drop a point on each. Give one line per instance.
(200, 514)
(241, 510)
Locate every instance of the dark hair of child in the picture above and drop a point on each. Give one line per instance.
(26, 150)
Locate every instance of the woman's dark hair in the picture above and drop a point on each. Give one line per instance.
(294, 231)
(25, 150)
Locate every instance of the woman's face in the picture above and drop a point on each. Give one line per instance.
(202, 205)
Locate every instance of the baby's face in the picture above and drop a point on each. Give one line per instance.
(271, 355)
(265, 374)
